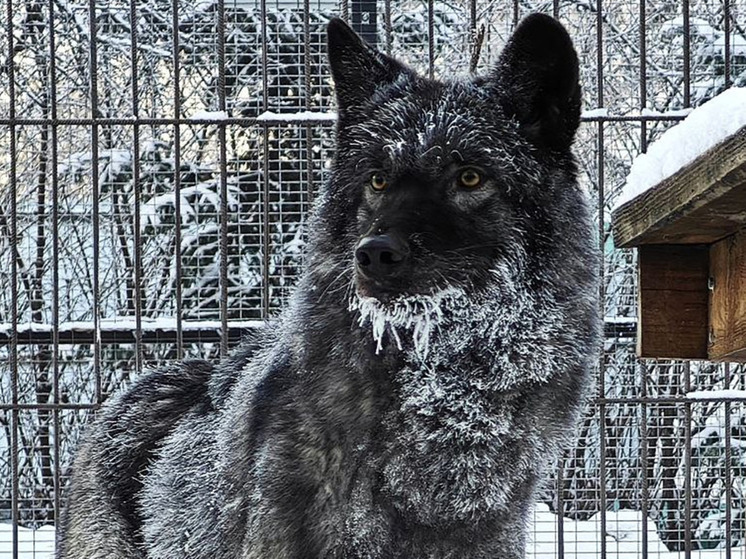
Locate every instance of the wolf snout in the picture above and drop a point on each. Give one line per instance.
(379, 256)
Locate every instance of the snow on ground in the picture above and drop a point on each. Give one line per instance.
(32, 544)
(623, 538)
(705, 126)
(581, 539)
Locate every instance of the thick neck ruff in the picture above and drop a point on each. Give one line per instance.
(507, 335)
(465, 360)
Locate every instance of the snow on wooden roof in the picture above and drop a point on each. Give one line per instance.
(703, 128)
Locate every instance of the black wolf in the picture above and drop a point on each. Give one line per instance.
(432, 361)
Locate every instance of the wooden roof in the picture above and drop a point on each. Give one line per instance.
(703, 202)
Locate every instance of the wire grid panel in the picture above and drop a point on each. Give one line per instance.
(157, 160)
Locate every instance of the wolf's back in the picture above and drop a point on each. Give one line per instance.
(102, 519)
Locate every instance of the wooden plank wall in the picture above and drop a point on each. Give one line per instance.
(673, 301)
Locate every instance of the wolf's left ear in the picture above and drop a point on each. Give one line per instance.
(538, 75)
(357, 68)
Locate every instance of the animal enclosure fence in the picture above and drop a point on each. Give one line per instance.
(157, 159)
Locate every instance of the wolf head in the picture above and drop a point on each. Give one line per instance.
(444, 189)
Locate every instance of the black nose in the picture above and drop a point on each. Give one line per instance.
(381, 255)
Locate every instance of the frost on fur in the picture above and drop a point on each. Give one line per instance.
(420, 314)
(505, 325)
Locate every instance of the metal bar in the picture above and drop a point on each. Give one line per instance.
(728, 466)
(309, 166)
(516, 13)
(307, 53)
(308, 94)
(238, 332)
(177, 179)
(560, 510)
(265, 163)
(55, 267)
(223, 180)
(265, 226)
(430, 39)
(601, 369)
(644, 461)
(688, 465)
(149, 336)
(25, 334)
(643, 76)
(322, 119)
(93, 65)
(600, 54)
(555, 9)
(645, 506)
(79, 334)
(137, 272)
(33, 407)
(473, 36)
(687, 55)
(387, 25)
(726, 44)
(13, 350)
(601, 236)
(671, 400)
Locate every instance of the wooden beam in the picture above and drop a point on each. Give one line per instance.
(728, 299)
(673, 298)
(700, 204)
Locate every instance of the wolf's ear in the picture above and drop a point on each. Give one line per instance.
(357, 68)
(538, 75)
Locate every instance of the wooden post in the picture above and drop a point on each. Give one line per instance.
(727, 336)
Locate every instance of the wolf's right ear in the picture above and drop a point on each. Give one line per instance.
(357, 68)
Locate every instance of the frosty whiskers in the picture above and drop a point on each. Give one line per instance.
(420, 314)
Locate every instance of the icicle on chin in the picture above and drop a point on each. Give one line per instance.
(416, 317)
(414, 322)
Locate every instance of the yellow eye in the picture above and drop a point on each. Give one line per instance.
(470, 178)
(378, 181)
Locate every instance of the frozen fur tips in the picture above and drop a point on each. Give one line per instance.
(417, 316)
(430, 366)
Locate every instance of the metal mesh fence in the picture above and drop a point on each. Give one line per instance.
(157, 159)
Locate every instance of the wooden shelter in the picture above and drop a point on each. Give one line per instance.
(690, 231)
